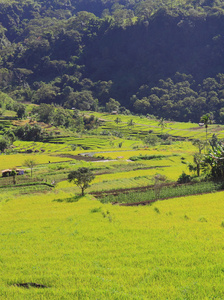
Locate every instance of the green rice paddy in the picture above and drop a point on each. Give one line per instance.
(87, 250)
(58, 245)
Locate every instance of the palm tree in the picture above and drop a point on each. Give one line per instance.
(131, 123)
(162, 124)
(97, 124)
(117, 121)
(206, 119)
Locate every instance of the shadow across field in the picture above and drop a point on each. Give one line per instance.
(28, 285)
(69, 200)
(80, 157)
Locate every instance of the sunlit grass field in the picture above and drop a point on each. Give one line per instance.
(79, 248)
(143, 124)
(176, 157)
(17, 160)
(87, 250)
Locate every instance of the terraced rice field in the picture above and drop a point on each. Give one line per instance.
(58, 245)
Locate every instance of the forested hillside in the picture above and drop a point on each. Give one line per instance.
(154, 57)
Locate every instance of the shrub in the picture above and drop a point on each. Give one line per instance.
(73, 146)
(157, 210)
(184, 178)
(168, 192)
(117, 134)
(4, 144)
(202, 219)
(95, 210)
(105, 132)
(167, 142)
(146, 157)
(151, 139)
(164, 136)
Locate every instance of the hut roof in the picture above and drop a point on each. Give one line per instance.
(7, 170)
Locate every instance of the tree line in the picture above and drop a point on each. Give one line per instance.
(151, 57)
(182, 99)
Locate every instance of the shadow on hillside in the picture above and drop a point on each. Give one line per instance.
(69, 200)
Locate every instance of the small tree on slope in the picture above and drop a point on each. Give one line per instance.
(81, 177)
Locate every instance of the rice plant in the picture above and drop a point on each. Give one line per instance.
(166, 192)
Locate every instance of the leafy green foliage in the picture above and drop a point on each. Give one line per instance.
(30, 133)
(83, 56)
(168, 192)
(81, 177)
(4, 143)
(198, 163)
(215, 160)
(90, 122)
(146, 157)
(54, 115)
(206, 119)
(30, 163)
(20, 110)
(184, 178)
(112, 105)
(151, 140)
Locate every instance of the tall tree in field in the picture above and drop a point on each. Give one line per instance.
(198, 162)
(81, 177)
(30, 163)
(162, 124)
(131, 123)
(206, 119)
(199, 144)
(158, 185)
(117, 121)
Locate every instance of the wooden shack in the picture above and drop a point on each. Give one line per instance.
(7, 172)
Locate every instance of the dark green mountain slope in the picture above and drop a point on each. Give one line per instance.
(82, 53)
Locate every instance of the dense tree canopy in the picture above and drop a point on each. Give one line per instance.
(160, 57)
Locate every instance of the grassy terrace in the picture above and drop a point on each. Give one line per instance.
(73, 247)
(143, 124)
(87, 250)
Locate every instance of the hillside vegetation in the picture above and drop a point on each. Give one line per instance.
(158, 57)
(106, 245)
(101, 89)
